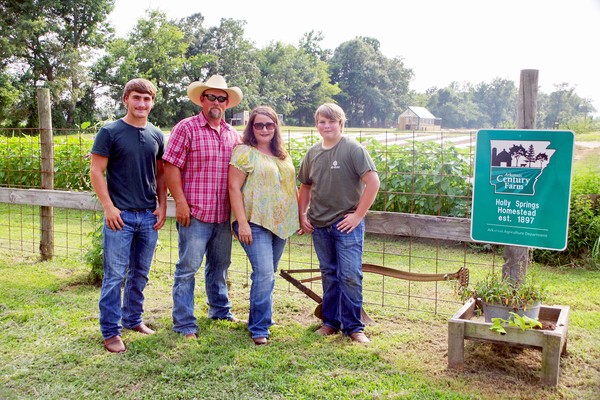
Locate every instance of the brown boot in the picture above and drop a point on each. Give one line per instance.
(359, 337)
(259, 341)
(114, 344)
(143, 329)
(325, 330)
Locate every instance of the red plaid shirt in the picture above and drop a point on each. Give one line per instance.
(203, 157)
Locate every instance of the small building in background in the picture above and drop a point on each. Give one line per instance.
(240, 118)
(418, 119)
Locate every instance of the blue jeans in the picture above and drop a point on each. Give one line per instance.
(264, 254)
(128, 255)
(195, 241)
(340, 261)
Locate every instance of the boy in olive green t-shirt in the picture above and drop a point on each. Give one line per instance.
(339, 183)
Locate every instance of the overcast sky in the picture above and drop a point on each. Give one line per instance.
(440, 40)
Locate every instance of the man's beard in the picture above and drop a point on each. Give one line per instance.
(215, 112)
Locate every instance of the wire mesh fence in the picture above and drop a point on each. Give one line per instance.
(426, 173)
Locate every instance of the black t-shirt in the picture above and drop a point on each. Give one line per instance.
(132, 155)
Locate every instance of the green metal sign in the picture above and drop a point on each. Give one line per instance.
(522, 188)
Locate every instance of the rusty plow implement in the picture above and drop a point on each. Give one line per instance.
(462, 276)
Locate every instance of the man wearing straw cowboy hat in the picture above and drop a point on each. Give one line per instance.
(196, 164)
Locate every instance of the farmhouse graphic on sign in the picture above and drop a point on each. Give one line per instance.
(516, 167)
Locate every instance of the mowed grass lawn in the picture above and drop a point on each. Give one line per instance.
(51, 347)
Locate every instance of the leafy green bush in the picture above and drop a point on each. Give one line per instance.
(422, 179)
(584, 227)
(417, 179)
(71, 163)
(95, 254)
(21, 162)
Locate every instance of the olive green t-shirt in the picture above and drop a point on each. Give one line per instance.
(335, 178)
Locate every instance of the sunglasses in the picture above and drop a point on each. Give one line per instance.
(212, 97)
(259, 126)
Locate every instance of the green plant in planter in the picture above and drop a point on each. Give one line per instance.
(498, 297)
(495, 290)
(523, 322)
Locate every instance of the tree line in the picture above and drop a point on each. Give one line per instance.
(70, 47)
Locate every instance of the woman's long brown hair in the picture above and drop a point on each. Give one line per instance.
(276, 143)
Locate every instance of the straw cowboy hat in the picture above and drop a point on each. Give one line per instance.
(196, 89)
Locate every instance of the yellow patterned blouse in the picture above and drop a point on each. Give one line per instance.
(269, 190)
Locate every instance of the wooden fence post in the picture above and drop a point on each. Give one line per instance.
(517, 257)
(47, 154)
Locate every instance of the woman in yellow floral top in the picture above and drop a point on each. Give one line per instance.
(264, 204)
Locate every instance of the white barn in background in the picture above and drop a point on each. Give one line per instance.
(418, 119)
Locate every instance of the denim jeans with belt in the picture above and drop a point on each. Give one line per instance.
(264, 254)
(195, 241)
(340, 261)
(128, 255)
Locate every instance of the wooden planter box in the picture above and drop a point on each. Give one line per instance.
(552, 342)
